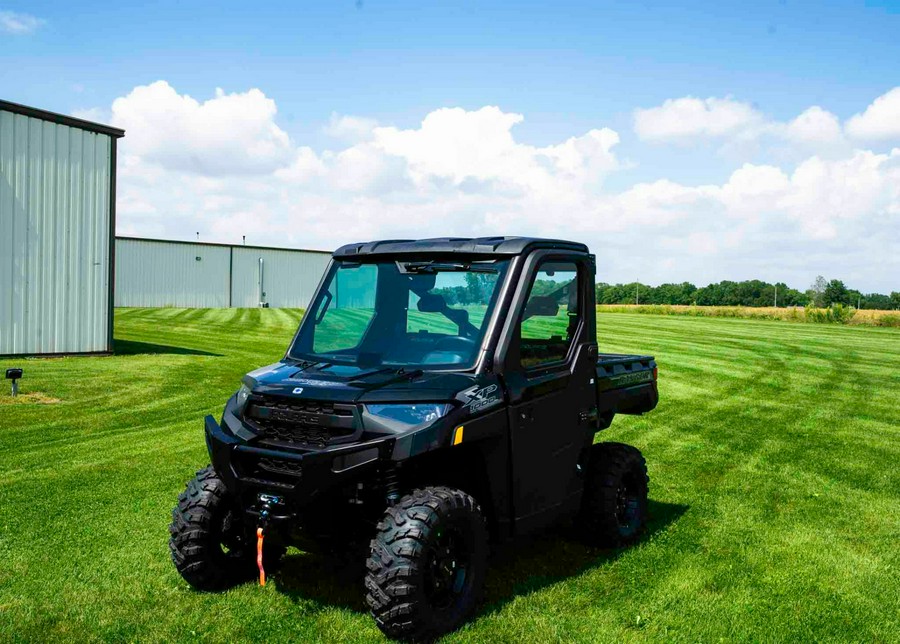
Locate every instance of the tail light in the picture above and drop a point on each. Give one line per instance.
(655, 373)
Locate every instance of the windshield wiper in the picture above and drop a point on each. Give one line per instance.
(434, 267)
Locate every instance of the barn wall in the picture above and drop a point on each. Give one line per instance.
(156, 273)
(55, 193)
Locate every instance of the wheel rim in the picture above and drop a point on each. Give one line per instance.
(228, 537)
(446, 571)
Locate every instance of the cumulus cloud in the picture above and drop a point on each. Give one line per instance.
(227, 134)
(684, 118)
(224, 167)
(350, 128)
(814, 125)
(880, 120)
(19, 24)
(690, 120)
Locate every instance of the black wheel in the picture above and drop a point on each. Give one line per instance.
(427, 564)
(210, 545)
(614, 505)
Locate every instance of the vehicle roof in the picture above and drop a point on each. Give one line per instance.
(462, 245)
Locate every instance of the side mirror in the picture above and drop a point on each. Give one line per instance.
(431, 303)
(543, 305)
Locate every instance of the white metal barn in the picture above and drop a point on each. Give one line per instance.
(157, 273)
(57, 226)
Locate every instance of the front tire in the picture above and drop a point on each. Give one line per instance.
(614, 504)
(211, 546)
(427, 564)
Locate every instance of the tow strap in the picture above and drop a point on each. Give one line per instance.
(266, 502)
(259, 556)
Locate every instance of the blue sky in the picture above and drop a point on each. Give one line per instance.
(568, 68)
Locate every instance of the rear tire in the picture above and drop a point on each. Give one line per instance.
(614, 505)
(211, 546)
(427, 564)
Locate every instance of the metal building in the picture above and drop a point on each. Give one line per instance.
(57, 226)
(160, 273)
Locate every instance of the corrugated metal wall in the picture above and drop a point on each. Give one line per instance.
(288, 277)
(54, 237)
(155, 273)
(158, 273)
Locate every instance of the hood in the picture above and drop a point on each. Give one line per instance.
(350, 384)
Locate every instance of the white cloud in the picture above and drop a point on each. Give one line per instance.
(881, 120)
(691, 120)
(227, 134)
(688, 117)
(225, 168)
(824, 193)
(19, 24)
(814, 125)
(350, 128)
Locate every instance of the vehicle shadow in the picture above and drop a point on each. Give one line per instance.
(516, 569)
(133, 347)
(533, 564)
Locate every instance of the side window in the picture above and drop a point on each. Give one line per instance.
(551, 316)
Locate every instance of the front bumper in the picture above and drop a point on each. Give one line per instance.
(300, 477)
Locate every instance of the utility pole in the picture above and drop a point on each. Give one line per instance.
(776, 296)
(858, 300)
(636, 299)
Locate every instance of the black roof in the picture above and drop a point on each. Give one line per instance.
(61, 119)
(467, 245)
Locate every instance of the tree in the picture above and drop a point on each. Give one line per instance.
(877, 301)
(816, 292)
(836, 293)
(895, 300)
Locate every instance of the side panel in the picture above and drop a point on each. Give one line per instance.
(55, 185)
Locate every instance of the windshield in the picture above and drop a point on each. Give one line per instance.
(425, 314)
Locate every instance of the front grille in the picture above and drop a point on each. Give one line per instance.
(267, 470)
(279, 466)
(305, 424)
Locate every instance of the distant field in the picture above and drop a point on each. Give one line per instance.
(775, 490)
(865, 317)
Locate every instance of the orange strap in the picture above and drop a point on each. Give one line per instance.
(259, 556)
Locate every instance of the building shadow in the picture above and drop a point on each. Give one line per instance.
(133, 347)
(516, 569)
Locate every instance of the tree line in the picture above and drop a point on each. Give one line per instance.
(822, 293)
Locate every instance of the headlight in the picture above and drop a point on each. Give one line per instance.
(419, 414)
(240, 398)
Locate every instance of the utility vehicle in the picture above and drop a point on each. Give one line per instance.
(439, 395)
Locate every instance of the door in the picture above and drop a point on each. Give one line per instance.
(548, 367)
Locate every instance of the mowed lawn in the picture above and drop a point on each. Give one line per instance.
(774, 458)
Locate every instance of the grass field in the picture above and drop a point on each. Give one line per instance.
(843, 315)
(774, 459)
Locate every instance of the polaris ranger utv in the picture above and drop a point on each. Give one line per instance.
(439, 394)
